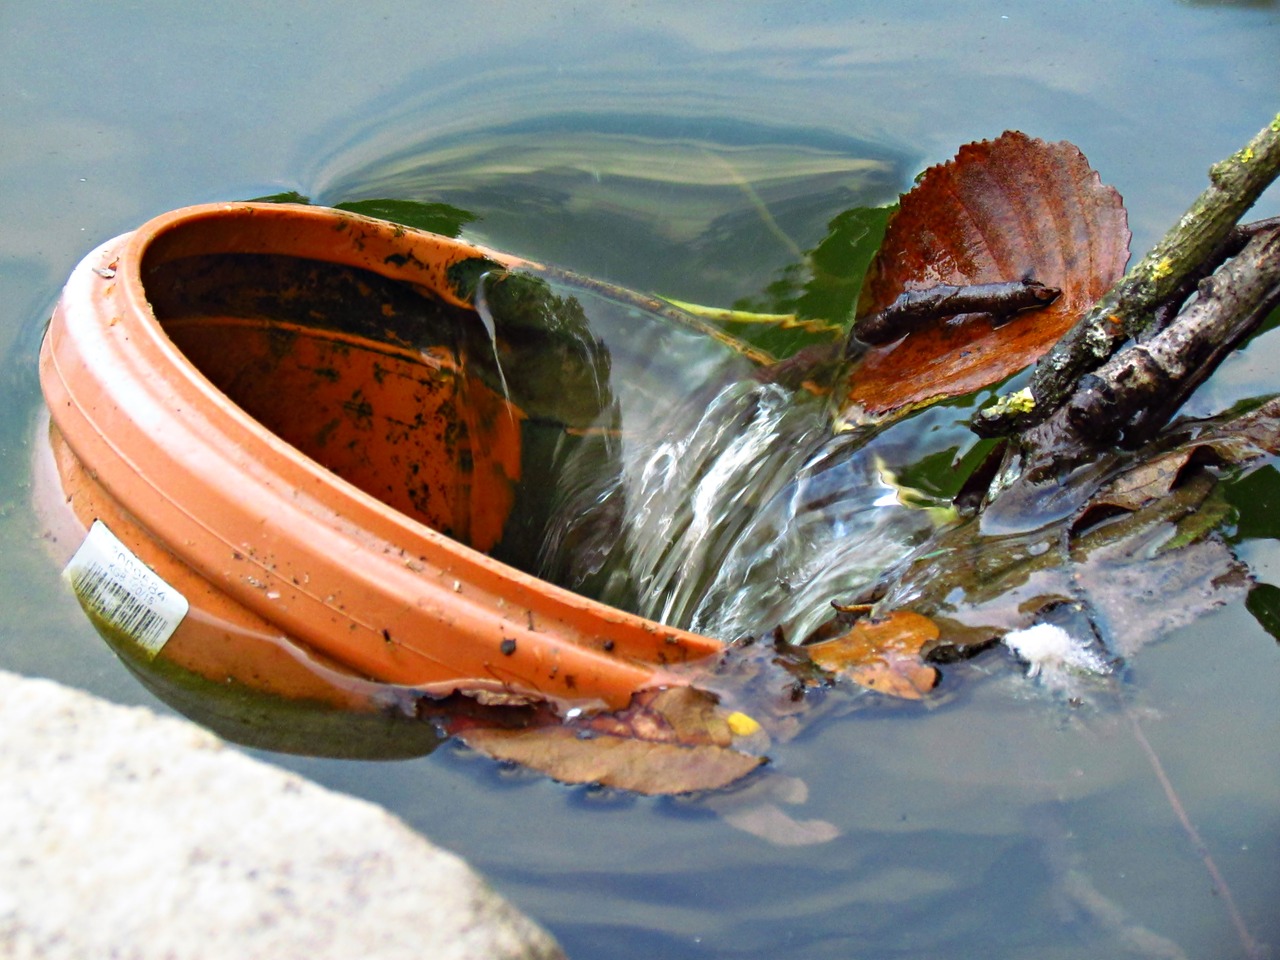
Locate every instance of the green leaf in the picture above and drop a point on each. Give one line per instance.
(288, 196)
(823, 287)
(441, 218)
(838, 264)
(943, 474)
(1256, 498)
(1264, 603)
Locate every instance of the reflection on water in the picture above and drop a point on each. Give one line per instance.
(694, 207)
(243, 715)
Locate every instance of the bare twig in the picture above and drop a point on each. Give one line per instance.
(1138, 390)
(1235, 183)
(914, 308)
(661, 307)
(1230, 247)
(1157, 376)
(1252, 948)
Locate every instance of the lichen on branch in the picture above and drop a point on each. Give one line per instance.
(1162, 275)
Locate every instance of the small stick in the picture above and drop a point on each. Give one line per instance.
(1252, 948)
(663, 308)
(1144, 385)
(915, 308)
(1236, 241)
(1234, 184)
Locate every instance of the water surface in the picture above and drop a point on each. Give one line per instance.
(692, 150)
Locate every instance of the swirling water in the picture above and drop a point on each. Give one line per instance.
(706, 493)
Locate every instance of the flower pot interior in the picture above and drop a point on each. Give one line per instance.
(365, 374)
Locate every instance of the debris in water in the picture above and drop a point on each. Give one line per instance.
(1053, 655)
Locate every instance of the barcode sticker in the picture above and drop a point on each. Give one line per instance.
(118, 588)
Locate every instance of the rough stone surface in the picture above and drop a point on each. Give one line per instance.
(128, 835)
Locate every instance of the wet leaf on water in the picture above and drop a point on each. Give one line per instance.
(1264, 603)
(442, 218)
(668, 741)
(758, 809)
(1007, 209)
(1256, 498)
(286, 196)
(1119, 574)
(683, 715)
(640, 766)
(770, 822)
(1130, 594)
(1136, 488)
(883, 654)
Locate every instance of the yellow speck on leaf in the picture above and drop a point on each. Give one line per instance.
(741, 724)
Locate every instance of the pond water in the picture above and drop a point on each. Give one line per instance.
(694, 150)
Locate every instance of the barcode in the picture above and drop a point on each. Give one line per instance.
(114, 603)
(122, 592)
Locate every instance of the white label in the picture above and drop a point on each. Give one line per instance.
(118, 588)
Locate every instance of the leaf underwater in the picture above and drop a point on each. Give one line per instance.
(1012, 208)
(668, 741)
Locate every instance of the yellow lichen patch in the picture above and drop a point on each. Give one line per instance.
(1023, 401)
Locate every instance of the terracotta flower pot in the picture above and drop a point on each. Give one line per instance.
(252, 399)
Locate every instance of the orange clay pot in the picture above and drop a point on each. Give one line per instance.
(237, 394)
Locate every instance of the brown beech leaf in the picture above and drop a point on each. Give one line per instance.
(1007, 209)
(1135, 488)
(668, 741)
(1148, 481)
(883, 654)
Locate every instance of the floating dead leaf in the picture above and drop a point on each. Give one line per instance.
(1134, 600)
(1246, 437)
(1220, 441)
(883, 654)
(1135, 488)
(682, 715)
(668, 741)
(1146, 482)
(1012, 208)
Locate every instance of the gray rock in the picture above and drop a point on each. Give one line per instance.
(128, 835)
